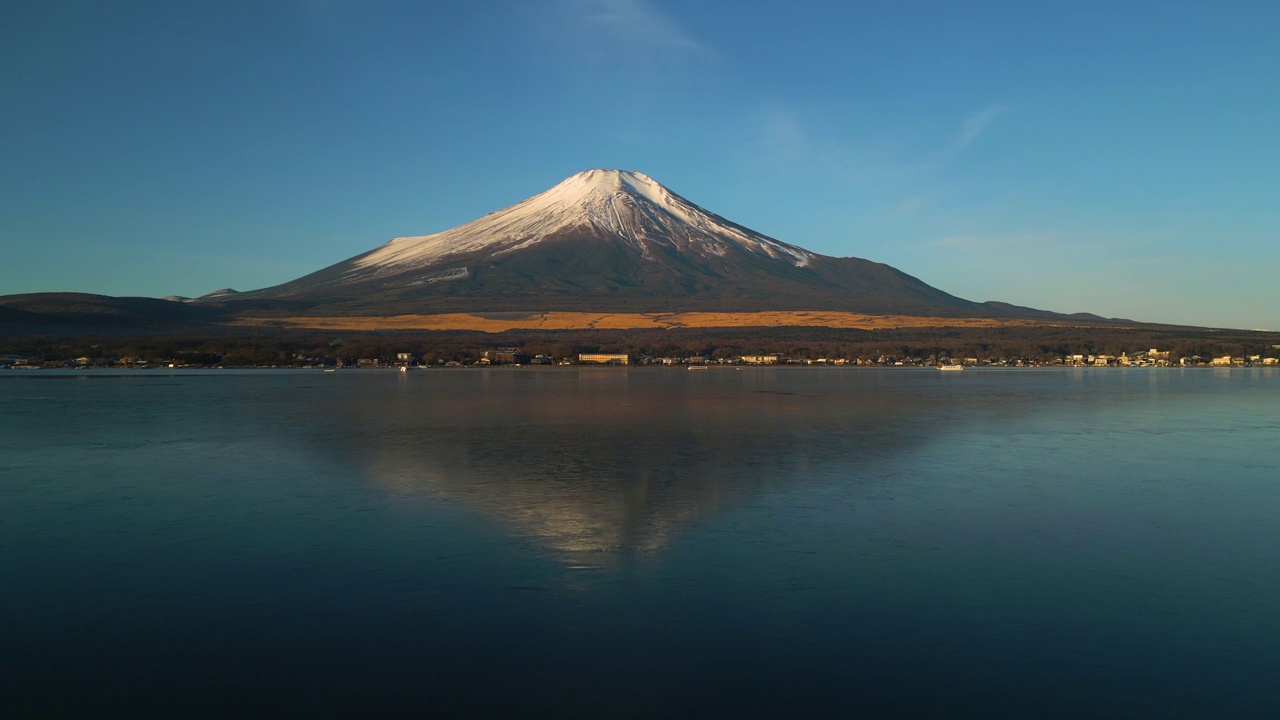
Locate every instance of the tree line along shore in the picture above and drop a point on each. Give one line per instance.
(1141, 345)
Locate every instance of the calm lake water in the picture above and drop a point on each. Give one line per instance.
(641, 543)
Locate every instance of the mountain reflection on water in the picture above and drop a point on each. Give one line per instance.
(603, 461)
(768, 542)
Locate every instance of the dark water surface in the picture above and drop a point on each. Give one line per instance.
(642, 543)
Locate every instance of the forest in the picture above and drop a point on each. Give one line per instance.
(234, 347)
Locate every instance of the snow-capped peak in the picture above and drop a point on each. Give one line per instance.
(620, 204)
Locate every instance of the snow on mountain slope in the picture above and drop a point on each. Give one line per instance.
(626, 205)
(601, 239)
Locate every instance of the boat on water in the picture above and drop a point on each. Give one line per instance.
(950, 367)
(697, 367)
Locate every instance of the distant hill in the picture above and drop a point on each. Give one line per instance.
(63, 310)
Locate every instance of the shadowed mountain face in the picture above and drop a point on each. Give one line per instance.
(602, 240)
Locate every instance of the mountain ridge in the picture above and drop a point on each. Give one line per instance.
(605, 240)
(600, 241)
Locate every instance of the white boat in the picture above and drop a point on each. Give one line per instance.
(697, 367)
(950, 367)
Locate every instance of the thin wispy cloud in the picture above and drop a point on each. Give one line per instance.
(632, 51)
(638, 21)
(782, 132)
(912, 204)
(921, 173)
(639, 24)
(976, 124)
(782, 139)
(973, 128)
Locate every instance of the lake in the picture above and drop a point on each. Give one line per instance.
(599, 542)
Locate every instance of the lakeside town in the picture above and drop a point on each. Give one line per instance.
(515, 356)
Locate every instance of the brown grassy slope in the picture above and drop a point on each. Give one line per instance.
(502, 322)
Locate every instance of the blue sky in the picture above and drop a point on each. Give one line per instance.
(1121, 158)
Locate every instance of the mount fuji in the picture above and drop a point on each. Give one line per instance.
(602, 240)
